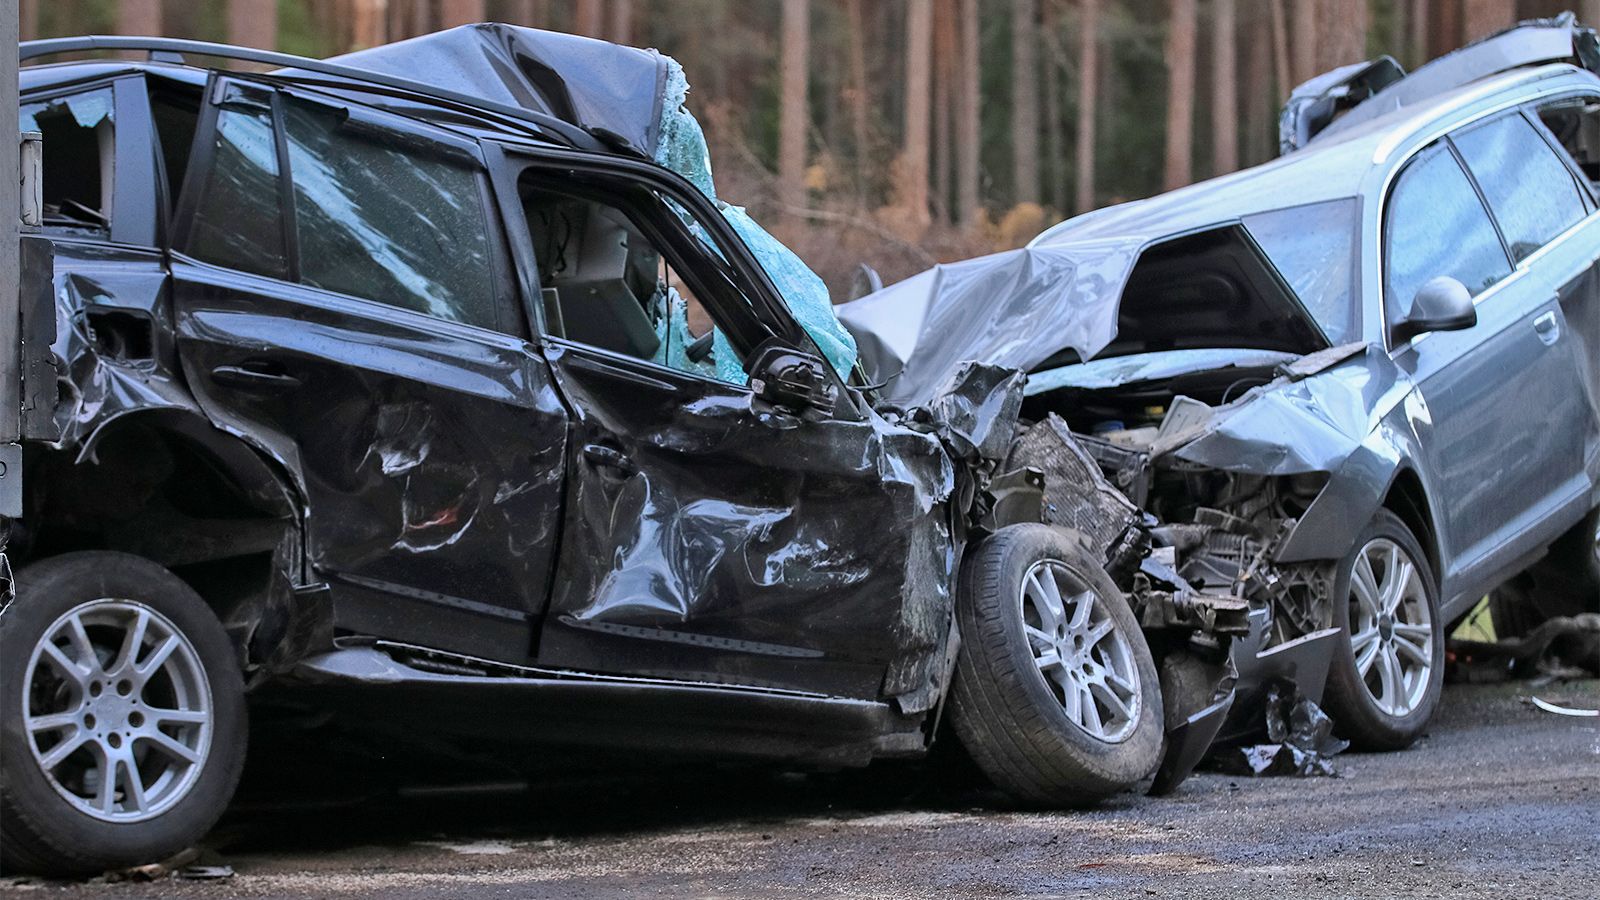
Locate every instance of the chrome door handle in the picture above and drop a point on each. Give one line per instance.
(1548, 327)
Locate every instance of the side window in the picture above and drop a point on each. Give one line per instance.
(1530, 190)
(1313, 246)
(1575, 122)
(1436, 225)
(387, 219)
(78, 160)
(238, 222)
(607, 284)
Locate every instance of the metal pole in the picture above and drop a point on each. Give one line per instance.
(10, 235)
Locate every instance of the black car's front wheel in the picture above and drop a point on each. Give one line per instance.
(1056, 695)
(122, 722)
(1386, 677)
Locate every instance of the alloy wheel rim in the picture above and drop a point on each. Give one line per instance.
(1085, 661)
(1391, 627)
(117, 710)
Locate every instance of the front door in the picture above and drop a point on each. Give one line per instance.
(710, 536)
(344, 301)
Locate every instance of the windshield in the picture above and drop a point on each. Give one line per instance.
(1313, 247)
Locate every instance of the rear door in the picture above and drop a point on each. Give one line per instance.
(344, 301)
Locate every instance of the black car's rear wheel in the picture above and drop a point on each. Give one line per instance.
(122, 724)
(1386, 677)
(1056, 696)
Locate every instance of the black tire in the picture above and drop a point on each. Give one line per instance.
(1009, 718)
(41, 831)
(1567, 581)
(1356, 713)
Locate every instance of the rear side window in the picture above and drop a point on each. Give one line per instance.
(384, 218)
(1531, 191)
(238, 222)
(78, 159)
(1436, 225)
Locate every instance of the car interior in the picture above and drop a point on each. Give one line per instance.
(78, 131)
(1576, 124)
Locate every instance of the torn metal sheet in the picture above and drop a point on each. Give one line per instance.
(1300, 740)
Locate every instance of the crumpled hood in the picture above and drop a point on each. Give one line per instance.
(595, 85)
(1013, 310)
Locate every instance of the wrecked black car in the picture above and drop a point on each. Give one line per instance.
(385, 395)
(1352, 390)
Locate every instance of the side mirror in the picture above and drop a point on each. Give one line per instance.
(790, 379)
(1441, 304)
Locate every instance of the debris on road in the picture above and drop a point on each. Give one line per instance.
(1300, 736)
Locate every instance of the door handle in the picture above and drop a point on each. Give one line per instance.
(609, 458)
(1548, 327)
(256, 377)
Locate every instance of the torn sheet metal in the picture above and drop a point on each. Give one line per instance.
(592, 84)
(1116, 371)
(1300, 740)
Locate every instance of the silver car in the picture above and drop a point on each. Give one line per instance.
(1356, 386)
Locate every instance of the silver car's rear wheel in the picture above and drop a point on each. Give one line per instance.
(1391, 627)
(1084, 660)
(118, 710)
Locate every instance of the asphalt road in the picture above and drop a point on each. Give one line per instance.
(1501, 800)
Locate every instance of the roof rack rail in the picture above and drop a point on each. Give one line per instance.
(170, 49)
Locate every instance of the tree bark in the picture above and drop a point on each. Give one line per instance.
(1088, 102)
(1224, 89)
(969, 163)
(1445, 35)
(1025, 100)
(139, 17)
(368, 23)
(28, 21)
(1303, 42)
(1180, 94)
(1259, 140)
(1418, 21)
(1481, 18)
(622, 21)
(860, 97)
(913, 169)
(793, 103)
(946, 48)
(589, 18)
(461, 12)
(1282, 74)
(253, 23)
(1342, 33)
(1589, 12)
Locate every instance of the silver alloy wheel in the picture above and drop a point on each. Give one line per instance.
(1391, 627)
(117, 710)
(1084, 660)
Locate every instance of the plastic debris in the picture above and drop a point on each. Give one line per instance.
(1574, 711)
(1300, 737)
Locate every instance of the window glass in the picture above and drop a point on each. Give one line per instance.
(1529, 189)
(1436, 226)
(78, 159)
(1314, 248)
(387, 219)
(238, 221)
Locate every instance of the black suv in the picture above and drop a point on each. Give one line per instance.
(405, 397)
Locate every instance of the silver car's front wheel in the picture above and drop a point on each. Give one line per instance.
(1084, 660)
(117, 710)
(1391, 627)
(1384, 684)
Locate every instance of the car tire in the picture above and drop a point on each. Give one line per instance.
(1567, 581)
(1043, 628)
(166, 720)
(1387, 675)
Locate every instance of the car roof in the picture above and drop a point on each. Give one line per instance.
(1338, 166)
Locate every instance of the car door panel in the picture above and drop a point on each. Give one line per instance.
(709, 539)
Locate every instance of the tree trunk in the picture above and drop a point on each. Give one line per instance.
(1052, 175)
(461, 12)
(1445, 35)
(1180, 94)
(793, 104)
(1481, 18)
(1418, 21)
(622, 23)
(1589, 12)
(1088, 102)
(28, 21)
(1260, 141)
(1342, 33)
(139, 17)
(368, 23)
(1282, 74)
(913, 169)
(1303, 42)
(1224, 89)
(589, 18)
(253, 23)
(1025, 100)
(969, 163)
(946, 46)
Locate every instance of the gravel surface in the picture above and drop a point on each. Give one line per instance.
(1501, 800)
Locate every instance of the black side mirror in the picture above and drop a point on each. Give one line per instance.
(1441, 304)
(790, 379)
